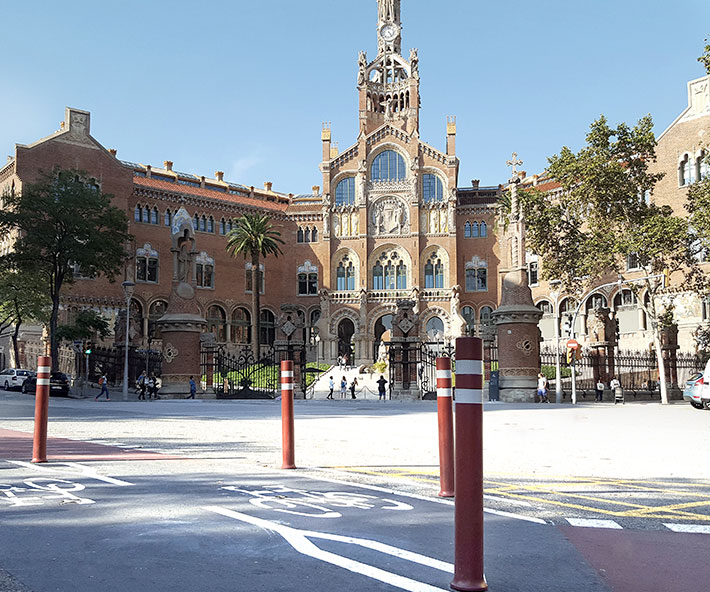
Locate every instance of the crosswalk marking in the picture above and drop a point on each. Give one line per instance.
(593, 523)
(689, 528)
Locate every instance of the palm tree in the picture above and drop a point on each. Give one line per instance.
(253, 236)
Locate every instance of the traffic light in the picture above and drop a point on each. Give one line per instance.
(570, 355)
(87, 351)
(616, 328)
(666, 278)
(578, 353)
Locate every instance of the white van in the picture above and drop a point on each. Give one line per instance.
(12, 378)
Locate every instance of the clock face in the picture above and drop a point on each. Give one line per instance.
(388, 32)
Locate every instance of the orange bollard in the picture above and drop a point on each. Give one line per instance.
(446, 426)
(287, 437)
(468, 514)
(39, 443)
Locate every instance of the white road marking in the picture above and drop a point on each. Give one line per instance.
(73, 468)
(512, 502)
(298, 539)
(689, 528)
(593, 523)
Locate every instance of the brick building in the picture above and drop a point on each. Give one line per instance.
(388, 222)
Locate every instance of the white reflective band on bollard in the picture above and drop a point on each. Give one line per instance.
(287, 374)
(469, 367)
(443, 373)
(43, 381)
(287, 386)
(469, 396)
(443, 392)
(43, 369)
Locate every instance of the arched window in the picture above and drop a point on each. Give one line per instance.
(595, 301)
(685, 171)
(210, 224)
(345, 192)
(154, 216)
(477, 275)
(433, 273)
(146, 215)
(467, 230)
(388, 166)
(703, 166)
(486, 316)
(222, 226)
(307, 279)
(241, 326)
(167, 219)
(401, 276)
(345, 276)
(205, 270)
(203, 224)
(484, 230)
(147, 264)
(533, 273)
(312, 329)
(469, 315)
(378, 277)
(137, 214)
(435, 329)
(217, 322)
(314, 235)
(307, 235)
(545, 306)
(155, 312)
(432, 188)
(196, 222)
(299, 235)
(389, 276)
(474, 230)
(267, 327)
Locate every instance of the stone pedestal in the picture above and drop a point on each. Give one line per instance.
(516, 321)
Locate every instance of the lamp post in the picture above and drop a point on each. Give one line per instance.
(128, 288)
(558, 373)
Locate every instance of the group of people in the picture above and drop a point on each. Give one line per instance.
(147, 387)
(344, 362)
(614, 385)
(353, 385)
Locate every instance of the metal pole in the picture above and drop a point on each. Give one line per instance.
(558, 372)
(468, 509)
(87, 373)
(125, 353)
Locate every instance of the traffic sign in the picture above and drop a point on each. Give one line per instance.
(573, 344)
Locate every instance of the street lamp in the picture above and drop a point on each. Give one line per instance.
(128, 288)
(558, 372)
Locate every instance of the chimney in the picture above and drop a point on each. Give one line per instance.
(220, 176)
(112, 152)
(450, 135)
(316, 190)
(476, 183)
(326, 139)
(268, 185)
(148, 170)
(168, 164)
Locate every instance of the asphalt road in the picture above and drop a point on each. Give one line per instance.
(186, 495)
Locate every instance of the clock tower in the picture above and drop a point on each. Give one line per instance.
(389, 85)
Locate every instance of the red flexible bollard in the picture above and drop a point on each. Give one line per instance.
(446, 426)
(39, 442)
(287, 437)
(468, 521)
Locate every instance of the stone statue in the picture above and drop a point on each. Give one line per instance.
(415, 164)
(184, 270)
(388, 10)
(414, 62)
(388, 110)
(336, 225)
(362, 68)
(444, 222)
(382, 352)
(355, 224)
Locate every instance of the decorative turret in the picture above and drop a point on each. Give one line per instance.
(389, 85)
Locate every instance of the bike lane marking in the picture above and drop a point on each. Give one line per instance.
(298, 539)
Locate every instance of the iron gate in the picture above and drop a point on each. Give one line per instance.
(414, 365)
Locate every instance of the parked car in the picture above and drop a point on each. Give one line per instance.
(11, 378)
(693, 390)
(58, 384)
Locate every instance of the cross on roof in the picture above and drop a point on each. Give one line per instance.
(514, 163)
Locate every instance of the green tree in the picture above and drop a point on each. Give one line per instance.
(22, 299)
(64, 223)
(88, 324)
(603, 215)
(254, 237)
(705, 58)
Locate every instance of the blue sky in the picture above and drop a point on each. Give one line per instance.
(243, 86)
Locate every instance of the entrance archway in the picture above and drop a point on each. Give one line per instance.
(383, 333)
(346, 330)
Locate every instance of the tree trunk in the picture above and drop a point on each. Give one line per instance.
(53, 321)
(15, 336)
(255, 306)
(655, 330)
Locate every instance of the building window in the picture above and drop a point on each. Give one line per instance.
(168, 218)
(248, 278)
(147, 264)
(196, 222)
(314, 235)
(203, 224)
(467, 230)
(474, 230)
(388, 166)
(300, 236)
(484, 230)
(486, 316)
(545, 307)
(703, 167)
(632, 262)
(432, 188)
(345, 192)
(146, 215)
(155, 312)
(154, 216)
(241, 326)
(307, 279)
(433, 273)
(312, 329)
(435, 329)
(401, 276)
(532, 273)
(210, 224)
(217, 323)
(137, 214)
(706, 308)
(307, 235)
(477, 275)
(222, 227)
(378, 277)
(685, 171)
(205, 270)
(267, 327)
(345, 275)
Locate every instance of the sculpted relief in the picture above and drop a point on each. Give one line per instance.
(389, 217)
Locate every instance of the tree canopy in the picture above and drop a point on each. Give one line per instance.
(705, 58)
(64, 225)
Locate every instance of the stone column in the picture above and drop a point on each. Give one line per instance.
(516, 321)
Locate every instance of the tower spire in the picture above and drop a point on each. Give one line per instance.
(389, 27)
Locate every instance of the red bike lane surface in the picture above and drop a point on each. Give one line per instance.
(16, 445)
(641, 560)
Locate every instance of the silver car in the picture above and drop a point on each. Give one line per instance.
(12, 378)
(694, 389)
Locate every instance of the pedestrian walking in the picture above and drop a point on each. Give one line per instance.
(353, 384)
(193, 388)
(346, 361)
(381, 387)
(343, 388)
(599, 391)
(331, 386)
(142, 380)
(542, 389)
(615, 386)
(153, 387)
(103, 381)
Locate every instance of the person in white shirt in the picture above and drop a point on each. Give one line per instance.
(542, 389)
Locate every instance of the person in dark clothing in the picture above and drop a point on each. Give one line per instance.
(381, 387)
(353, 384)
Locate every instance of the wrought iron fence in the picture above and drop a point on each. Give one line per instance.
(110, 362)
